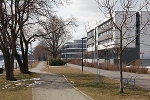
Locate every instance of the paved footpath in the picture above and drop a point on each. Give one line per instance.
(142, 80)
(54, 87)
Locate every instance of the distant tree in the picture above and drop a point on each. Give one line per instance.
(57, 33)
(123, 25)
(40, 52)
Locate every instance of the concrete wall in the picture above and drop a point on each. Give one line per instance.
(145, 36)
(129, 28)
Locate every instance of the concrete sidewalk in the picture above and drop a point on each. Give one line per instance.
(54, 87)
(142, 80)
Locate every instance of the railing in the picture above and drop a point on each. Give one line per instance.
(130, 81)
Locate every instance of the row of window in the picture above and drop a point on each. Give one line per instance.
(90, 45)
(74, 50)
(101, 42)
(91, 32)
(71, 56)
(90, 39)
(105, 41)
(105, 33)
(104, 25)
(104, 54)
(76, 46)
(79, 41)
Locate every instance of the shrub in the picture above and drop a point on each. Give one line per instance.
(112, 67)
(76, 61)
(56, 62)
(131, 69)
(142, 70)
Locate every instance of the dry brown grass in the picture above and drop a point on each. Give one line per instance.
(17, 93)
(107, 90)
(13, 92)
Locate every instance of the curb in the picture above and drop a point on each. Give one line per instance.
(77, 89)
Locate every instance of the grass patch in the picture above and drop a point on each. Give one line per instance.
(17, 90)
(107, 90)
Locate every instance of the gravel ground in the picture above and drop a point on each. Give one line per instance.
(54, 87)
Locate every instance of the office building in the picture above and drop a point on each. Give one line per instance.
(103, 40)
(73, 50)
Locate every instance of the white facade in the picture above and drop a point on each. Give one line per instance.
(129, 28)
(145, 35)
(109, 36)
(91, 40)
(105, 33)
(91, 44)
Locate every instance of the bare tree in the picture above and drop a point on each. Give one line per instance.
(124, 23)
(14, 16)
(27, 12)
(9, 32)
(38, 10)
(57, 33)
(40, 53)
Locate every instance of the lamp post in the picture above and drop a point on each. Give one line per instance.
(82, 51)
(66, 56)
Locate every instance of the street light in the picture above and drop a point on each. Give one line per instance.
(82, 51)
(66, 55)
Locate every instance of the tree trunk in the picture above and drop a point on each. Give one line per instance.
(19, 60)
(9, 65)
(24, 64)
(54, 54)
(121, 75)
(120, 54)
(25, 58)
(24, 68)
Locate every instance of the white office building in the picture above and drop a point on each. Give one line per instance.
(103, 40)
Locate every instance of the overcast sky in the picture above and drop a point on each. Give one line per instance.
(86, 11)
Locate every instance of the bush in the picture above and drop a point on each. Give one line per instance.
(76, 61)
(56, 62)
(142, 70)
(111, 67)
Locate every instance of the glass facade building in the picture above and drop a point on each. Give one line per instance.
(73, 50)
